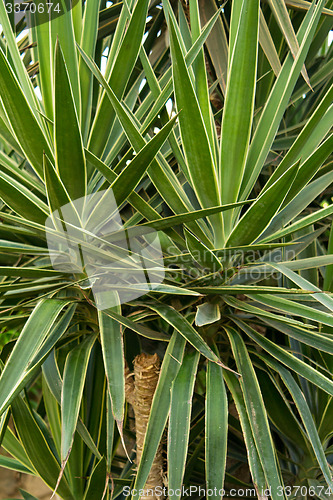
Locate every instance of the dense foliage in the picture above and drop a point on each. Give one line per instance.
(211, 124)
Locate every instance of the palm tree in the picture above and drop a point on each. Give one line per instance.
(203, 132)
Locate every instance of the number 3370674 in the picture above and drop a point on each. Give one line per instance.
(33, 7)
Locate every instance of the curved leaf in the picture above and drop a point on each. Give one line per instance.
(72, 390)
(70, 157)
(256, 413)
(179, 422)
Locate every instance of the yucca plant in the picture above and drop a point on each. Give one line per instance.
(209, 126)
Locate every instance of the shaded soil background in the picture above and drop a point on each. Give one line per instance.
(11, 481)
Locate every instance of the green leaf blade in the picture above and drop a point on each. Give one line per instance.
(72, 391)
(70, 157)
(239, 102)
(33, 335)
(179, 423)
(262, 210)
(27, 130)
(196, 144)
(256, 412)
(216, 428)
(113, 355)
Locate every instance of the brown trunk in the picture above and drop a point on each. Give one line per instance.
(139, 393)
